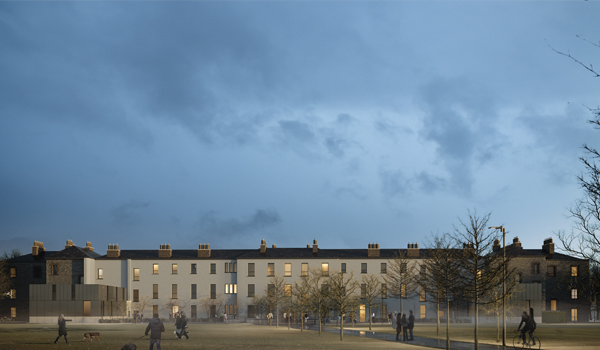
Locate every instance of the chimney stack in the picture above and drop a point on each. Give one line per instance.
(548, 246)
(88, 247)
(496, 246)
(516, 242)
(164, 251)
(412, 250)
(373, 251)
(37, 248)
(69, 243)
(204, 251)
(315, 248)
(263, 247)
(113, 251)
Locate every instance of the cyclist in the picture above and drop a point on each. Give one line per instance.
(528, 328)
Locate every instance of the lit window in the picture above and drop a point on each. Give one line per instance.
(441, 314)
(136, 274)
(574, 271)
(423, 311)
(573, 293)
(287, 290)
(403, 290)
(226, 267)
(553, 305)
(325, 269)
(174, 269)
(304, 271)
(422, 294)
(383, 290)
(13, 272)
(574, 315)
(383, 268)
(13, 312)
(363, 268)
(270, 270)
(13, 294)
(226, 288)
(100, 274)
(155, 269)
(287, 271)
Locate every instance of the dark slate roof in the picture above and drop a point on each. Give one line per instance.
(538, 253)
(73, 252)
(31, 258)
(180, 254)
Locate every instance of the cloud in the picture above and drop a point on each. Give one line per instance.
(211, 224)
(129, 214)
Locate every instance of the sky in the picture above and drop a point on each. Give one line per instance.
(145, 123)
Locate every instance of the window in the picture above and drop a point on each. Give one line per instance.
(155, 291)
(574, 315)
(423, 311)
(100, 274)
(403, 267)
(136, 295)
(383, 291)
(234, 267)
(73, 292)
(13, 272)
(553, 305)
(230, 288)
(174, 269)
(251, 311)
(226, 267)
(287, 290)
(441, 314)
(193, 272)
(271, 269)
(363, 268)
(403, 290)
(13, 294)
(54, 270)
(287, 269)
(424, 270)
(213, 291)
(573, 293)
(13, 312)
(363, 290)
(343, 268)
(155, 269)
(250, 269)
(54, 292)
(213, 269)
(154, 309)
(551, 271)
(304, 271)
(422, 294)
(230, 267)
(519, 278)
(535, 268)
(251, 290)
(194, 291)
(194, 312)
(325, 269)
(136, 274)
(383, 268)
(37, 272)
(574, 271)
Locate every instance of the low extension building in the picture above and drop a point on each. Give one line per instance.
(206, 282)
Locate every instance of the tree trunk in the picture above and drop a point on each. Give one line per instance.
(370, 318)
(342, 328)
(448, 324)
(437, 304)
(476, 323)
(497, 327)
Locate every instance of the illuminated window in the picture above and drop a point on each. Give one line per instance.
(270, 269)
(100, 274)
(573, 293)
(422, 294)
(13, 272)
(304, 271)
(13, 294)
(325, 269)
(383, 268)
(574, 315)
(136, 274)
(553, 305)
(441, 314)
(155, 269)
(423, 311)
(403, 290)
(13, 312)
(287, 290)
(383, 291)
(574, 271)
(174, 269)
(287, 269)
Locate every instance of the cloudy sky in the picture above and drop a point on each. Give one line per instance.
(141, 123)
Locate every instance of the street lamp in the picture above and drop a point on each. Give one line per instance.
(501, 228)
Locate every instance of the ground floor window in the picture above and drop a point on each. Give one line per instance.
(574, 315)
(194, 312)
(154, 310)
(441, 314)
(553, 305)
(423, 311)
(13, 312)
(251, 311)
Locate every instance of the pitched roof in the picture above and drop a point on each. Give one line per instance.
(73, 252)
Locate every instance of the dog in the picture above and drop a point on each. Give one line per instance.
(91, 335)
(129, 346)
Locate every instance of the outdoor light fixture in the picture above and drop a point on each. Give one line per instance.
(501, 228)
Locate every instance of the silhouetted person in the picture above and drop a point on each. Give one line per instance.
(62, 328)
(156, 327)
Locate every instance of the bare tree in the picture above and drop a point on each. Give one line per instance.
(318, 294)
(300, 293)
(400, 278)
(370, 293)
(479, 266)
(212, 306)
(142, 303)
(275, 295)
(341, 291)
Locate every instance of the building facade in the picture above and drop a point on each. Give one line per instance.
(205, 282)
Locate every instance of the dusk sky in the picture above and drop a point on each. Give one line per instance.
(142, 123)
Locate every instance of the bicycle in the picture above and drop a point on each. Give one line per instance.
(518, 342)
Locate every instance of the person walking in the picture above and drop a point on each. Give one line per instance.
(404, 324)
(156, 327)
(411, 324)
(62, 328)
(181, 326)
(398, 325)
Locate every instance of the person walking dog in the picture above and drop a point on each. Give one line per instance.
(62, 328)
(156, 327)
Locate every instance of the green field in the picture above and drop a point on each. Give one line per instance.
(553, 336)
(202, 336)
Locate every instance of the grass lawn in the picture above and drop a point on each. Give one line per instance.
(202, 336)
(552, 336)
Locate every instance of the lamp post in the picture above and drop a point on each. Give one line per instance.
(503, 230)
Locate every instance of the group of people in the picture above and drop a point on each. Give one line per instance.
(405, 326)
